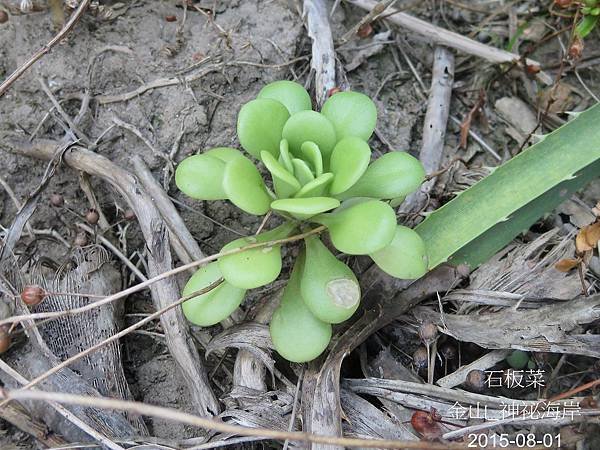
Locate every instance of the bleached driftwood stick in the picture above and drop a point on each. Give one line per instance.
(441, 36)
(485, 362)
(323, 53)
(434, 128)
(186, 246)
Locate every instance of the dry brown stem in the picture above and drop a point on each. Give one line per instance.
(46, 48)
(212, 424)
(178, 338)
(441, 36)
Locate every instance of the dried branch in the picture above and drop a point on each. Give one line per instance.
(371, 16)
(434, 128)
(323, 52)
(441, 36)
(540, 330)
(485, 362)
(249, 371)
(68, 415)
(179, 340)
(177, 227)
(218, 425)
(46, 48)
(475, 112)
(16, 415)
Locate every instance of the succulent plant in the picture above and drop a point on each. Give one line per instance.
(321, 175)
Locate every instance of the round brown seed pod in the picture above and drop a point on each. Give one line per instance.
(92, 217)
(476, 380)
(420, 359)
(33, 295)
(589, 402)
(428, 332)
(57, 200)
(129, 215)
(427, 424)
(81, 240)
(3, 16)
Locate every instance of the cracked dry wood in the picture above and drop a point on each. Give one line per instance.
(485, 362)
(183, 242)
(441, 36)
(323, 52)
(434, 127)
(178, 338)
(545, 329)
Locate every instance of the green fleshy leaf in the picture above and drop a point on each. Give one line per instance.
(284, 156)
(587, 24)
(329, 287)
(260, 124)
(310, 126)
(285, 184)
(225, 154)
(316, 187)
(349, 161)
(244, 186)
(303, 208)
(311, 154)
(210, 308)
(392, 175)
(362, 228)
(254, 267)
(352, 114)
(405, 257)
(201, 177)
(296, 333)
(302, 171)
(483, 219)
(291, 94)
(518, 359)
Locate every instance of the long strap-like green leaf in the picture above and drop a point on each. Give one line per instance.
(487, 216)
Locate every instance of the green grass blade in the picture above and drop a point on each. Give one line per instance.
(488, 215)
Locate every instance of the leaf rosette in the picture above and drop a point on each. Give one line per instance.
(320, 172)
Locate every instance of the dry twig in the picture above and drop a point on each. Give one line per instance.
(64, 412)
(442, 36)
(46, 48)
(217, 425)
(434, 128)
(179, 341)
(323, 52)
(189, 250)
